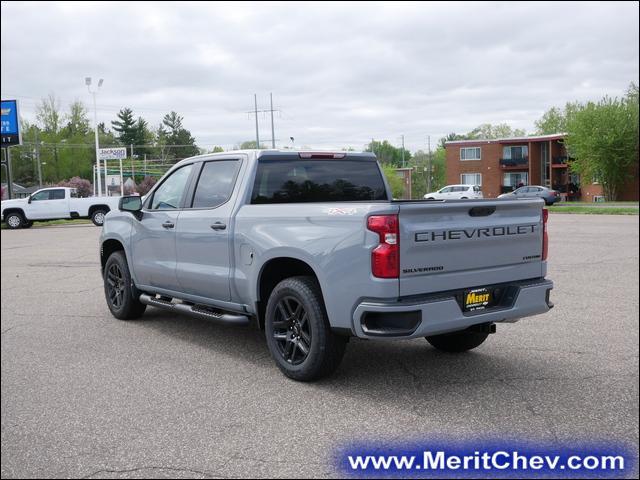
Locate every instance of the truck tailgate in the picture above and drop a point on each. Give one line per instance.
(458, 244)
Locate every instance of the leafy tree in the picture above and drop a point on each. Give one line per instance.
(84, 187)
(395, 182)
(216, 149)
(48, 114)
(146, 184)
(420, 176)
(489, 131)
(249, 145)
(176, 140)
(554, 120)
(603, 138)
(388, 154)
(77, 121)
(452, 137)
(125, 127)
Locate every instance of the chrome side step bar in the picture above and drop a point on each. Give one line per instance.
(197, 311)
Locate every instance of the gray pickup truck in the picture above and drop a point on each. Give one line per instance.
(312, 247)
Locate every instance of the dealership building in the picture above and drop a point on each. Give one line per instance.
(501, 165)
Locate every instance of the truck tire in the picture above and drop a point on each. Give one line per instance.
(14, 220)
(121, 294)
(97, 217)
(298, 333)
(457, 342)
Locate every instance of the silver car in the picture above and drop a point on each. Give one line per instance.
(534, 191)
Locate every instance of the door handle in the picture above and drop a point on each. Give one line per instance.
(219, 226)
(168, 224)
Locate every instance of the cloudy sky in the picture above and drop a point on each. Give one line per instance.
(340, 74)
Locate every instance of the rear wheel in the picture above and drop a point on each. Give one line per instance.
(14, 220)
(457, 341)
(298, 333)
(97, 217)
(121, 294)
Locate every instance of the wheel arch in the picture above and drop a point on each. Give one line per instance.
(272, 272)
(100, 206)
(11, 210)
(108, 247)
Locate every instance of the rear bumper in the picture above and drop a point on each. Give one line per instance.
(441, 313)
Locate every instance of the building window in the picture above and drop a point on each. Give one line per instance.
(471, 179)
(470, 153)
(515, 153)
(515, 179)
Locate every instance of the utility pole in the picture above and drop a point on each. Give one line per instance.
(38, 160)
(429, 163)
(273, 134)
(87, 81)
(255, 103)
(255, 112)
(402, 151)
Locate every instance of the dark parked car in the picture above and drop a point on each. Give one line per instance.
(531, 191)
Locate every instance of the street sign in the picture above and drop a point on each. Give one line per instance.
(113, 153)
(10, 128)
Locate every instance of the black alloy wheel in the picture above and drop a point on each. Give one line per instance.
(115, 286)
(292, 331)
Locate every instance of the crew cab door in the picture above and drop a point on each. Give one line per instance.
(153, 240)
(48, 204)
(203, 233)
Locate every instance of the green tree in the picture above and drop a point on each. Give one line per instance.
(603, 138)
(554, 120)
(249, 145)
(395, 182)
(437, 167)
(125, 127)
(216, 149)
(176, 140)
(388, 154)
(489, 131)
(77, 121)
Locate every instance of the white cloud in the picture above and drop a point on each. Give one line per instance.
(341, 73)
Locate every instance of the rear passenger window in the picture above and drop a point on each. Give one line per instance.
(215, 183)
(298, 181)
(56, 195)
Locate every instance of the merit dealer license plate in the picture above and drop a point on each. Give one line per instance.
(477, 299)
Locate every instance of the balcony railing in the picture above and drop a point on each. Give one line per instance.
(514, 162)
(560, 160)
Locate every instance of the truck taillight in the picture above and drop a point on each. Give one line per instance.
(385, 258)
(545, 236)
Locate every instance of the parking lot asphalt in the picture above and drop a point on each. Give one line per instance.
(86, 395)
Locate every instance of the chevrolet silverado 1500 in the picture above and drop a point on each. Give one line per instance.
(312, 247)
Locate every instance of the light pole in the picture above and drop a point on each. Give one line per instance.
(87, 81)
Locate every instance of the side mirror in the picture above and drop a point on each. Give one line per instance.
(132, 204)
(29, 201)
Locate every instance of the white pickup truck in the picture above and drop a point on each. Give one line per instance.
(53, 204)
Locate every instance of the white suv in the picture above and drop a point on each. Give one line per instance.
(451, 192)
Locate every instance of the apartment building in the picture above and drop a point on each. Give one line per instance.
(503, 164)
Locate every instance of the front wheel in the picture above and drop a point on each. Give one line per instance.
(457, 342)
(14, 220)
(97, 217)
(298, 333)
(119, 290)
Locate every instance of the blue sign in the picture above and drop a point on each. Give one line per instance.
(10, 127)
